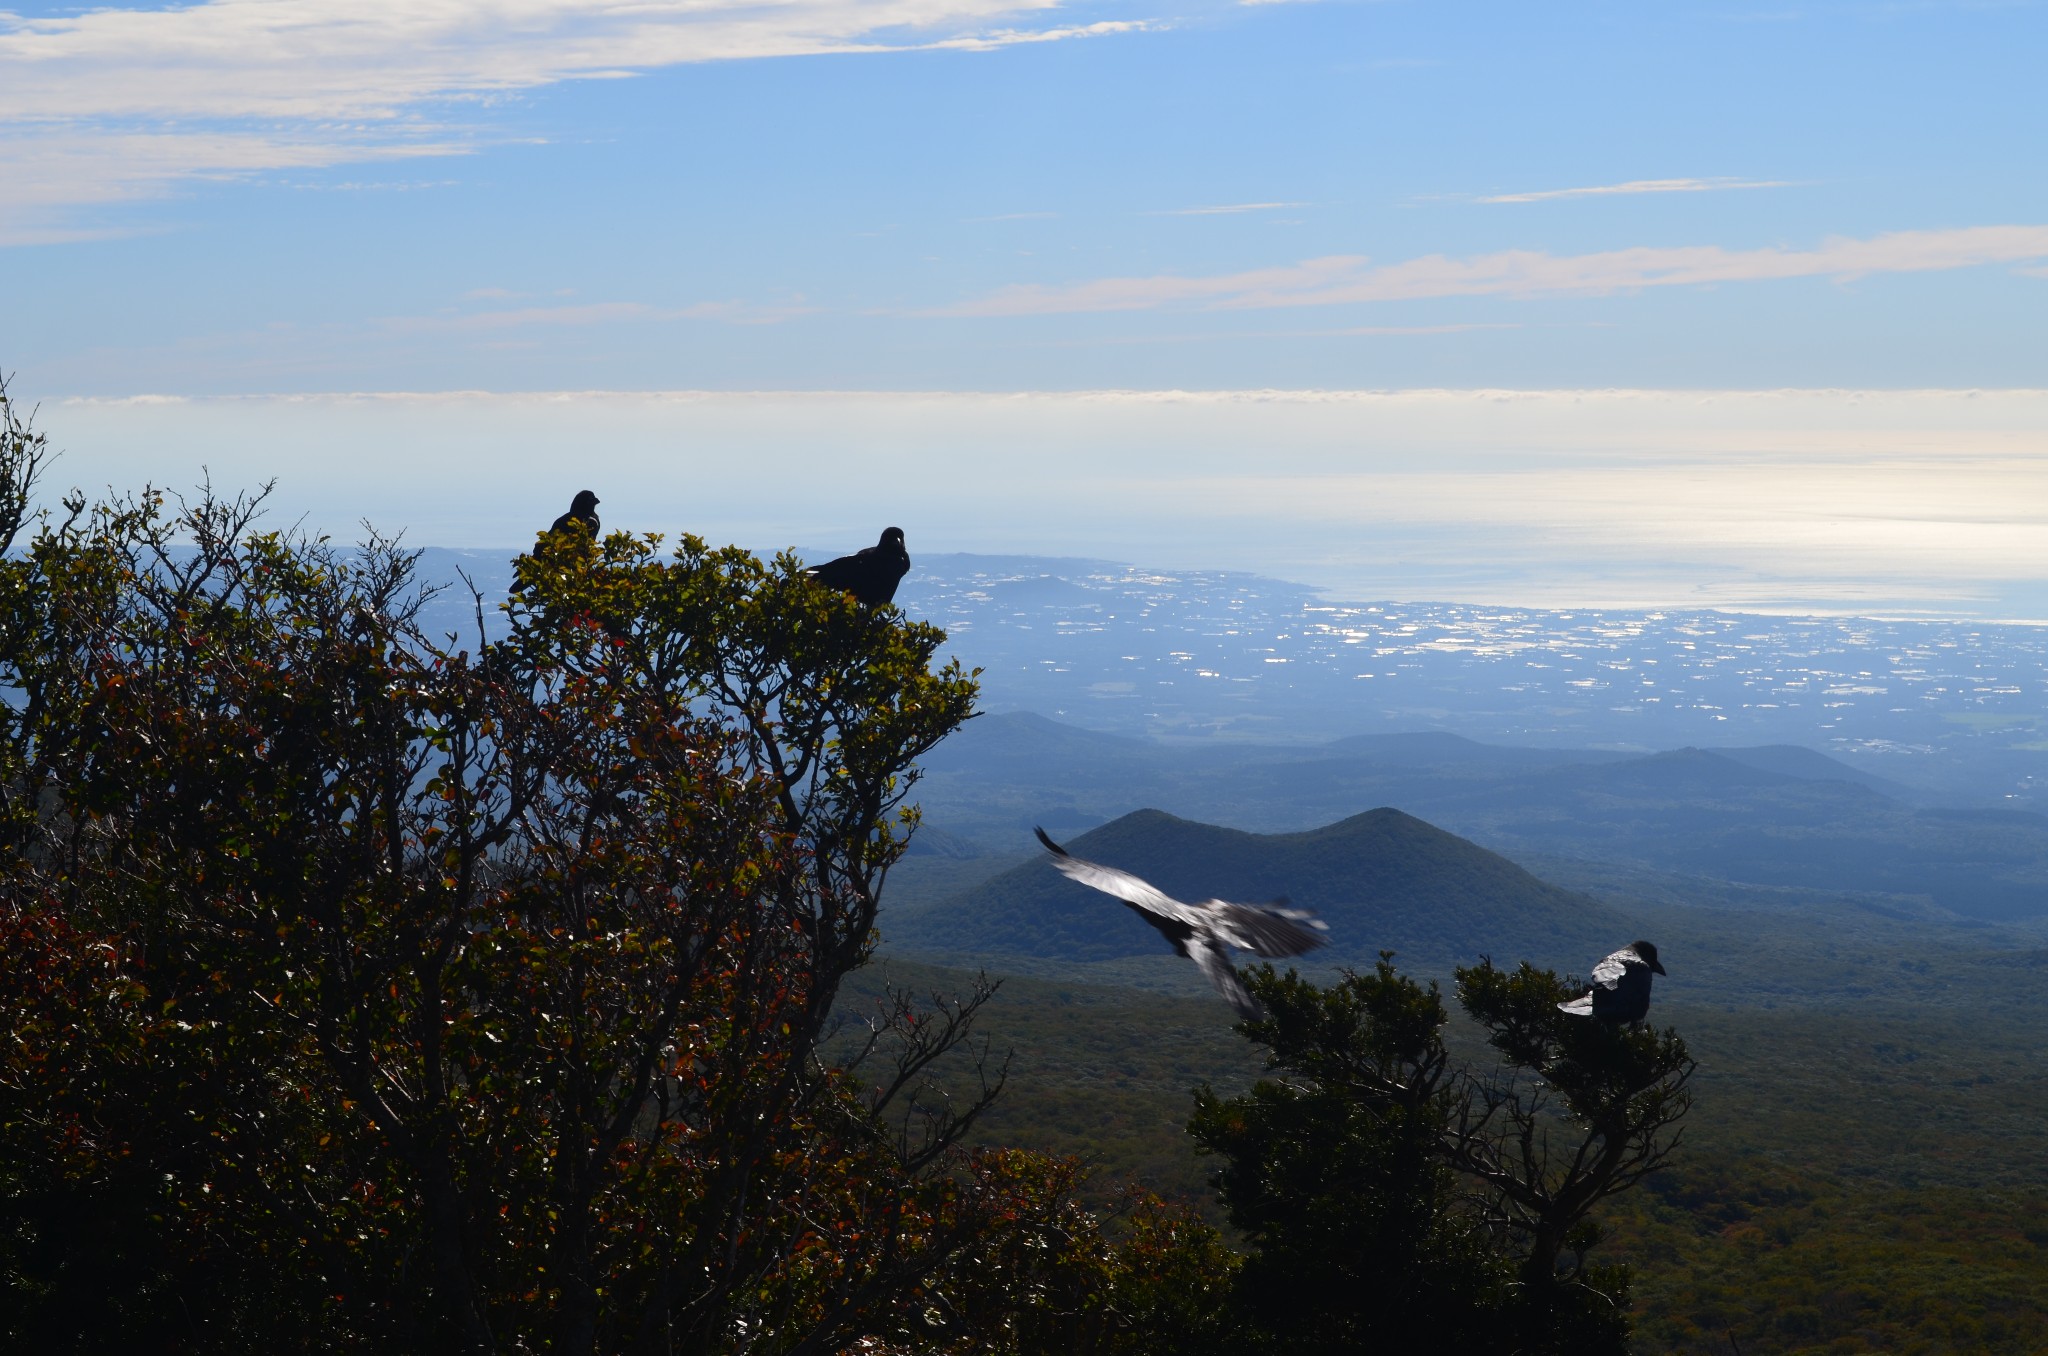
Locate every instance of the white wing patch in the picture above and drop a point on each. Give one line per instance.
(1607, 974)
(1131, 890)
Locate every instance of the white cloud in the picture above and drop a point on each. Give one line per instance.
(1634, 186)
(1229, 209)
(108, 105)
(1343, 279)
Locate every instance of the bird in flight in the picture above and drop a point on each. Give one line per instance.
(1201, 931)
(582, 510)
(871, 573)
(1620, 991)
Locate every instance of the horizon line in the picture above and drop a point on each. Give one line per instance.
(1100, 392)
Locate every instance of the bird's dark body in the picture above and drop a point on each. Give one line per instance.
(583, 510)
(871, 573)
(1628, 1000)
(1620, 991)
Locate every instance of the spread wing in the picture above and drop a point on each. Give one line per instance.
(1262, 929)
(1139, 894)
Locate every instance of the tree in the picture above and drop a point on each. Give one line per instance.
(368, 988)
(1578, 1111)
(1392, 1196)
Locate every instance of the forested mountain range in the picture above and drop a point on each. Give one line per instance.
(1768, 816)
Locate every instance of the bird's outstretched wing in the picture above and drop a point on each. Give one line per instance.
(1262, 929)
(1139, 894)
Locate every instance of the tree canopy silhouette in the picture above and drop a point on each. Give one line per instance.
(1395, 1197)
(367, 988)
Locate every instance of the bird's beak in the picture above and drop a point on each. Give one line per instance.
(1657, 966)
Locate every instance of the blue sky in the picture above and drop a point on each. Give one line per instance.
(256, 198)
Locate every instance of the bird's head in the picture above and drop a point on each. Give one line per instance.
(1648, 952)
(585, 502)
(892, 536)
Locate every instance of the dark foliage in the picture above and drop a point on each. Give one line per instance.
(368, 992)
(1392, 1195)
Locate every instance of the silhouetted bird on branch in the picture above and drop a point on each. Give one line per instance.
(582, 510)
(1621, 986)
(1201, 931)
(871, 573)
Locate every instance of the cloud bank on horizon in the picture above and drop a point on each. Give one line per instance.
(1916, 501)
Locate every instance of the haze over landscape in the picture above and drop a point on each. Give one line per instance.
(1508, 479)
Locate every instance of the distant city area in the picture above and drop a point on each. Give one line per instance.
(1958, 707)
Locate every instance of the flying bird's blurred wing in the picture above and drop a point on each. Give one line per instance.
(1206, 952)
(1130, 889)
(1267, 929)
(1607, 974)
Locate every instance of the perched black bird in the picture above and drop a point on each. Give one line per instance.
(1621, 986)
(871, 573)
(583, 510)
(1201, 931)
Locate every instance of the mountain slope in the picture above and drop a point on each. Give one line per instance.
(1381, 880)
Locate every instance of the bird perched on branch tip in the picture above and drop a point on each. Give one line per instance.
(1620, 991)
(582, 510)
(871, 573)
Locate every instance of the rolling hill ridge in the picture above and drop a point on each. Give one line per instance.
(1382, 880)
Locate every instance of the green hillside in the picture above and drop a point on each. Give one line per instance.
(1865, 1168)
(1382, 880)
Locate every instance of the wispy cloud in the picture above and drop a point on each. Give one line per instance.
(1342, 279)
(1634, 186)
(591, 313)
(747, 312)
(1226, 209)
(104, 106)
(1236, 336)
(1011, 37)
